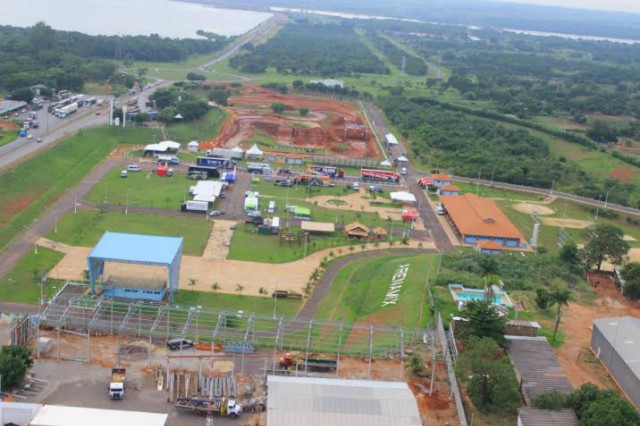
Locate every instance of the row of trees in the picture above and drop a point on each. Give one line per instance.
(174, 100)
(328, 50)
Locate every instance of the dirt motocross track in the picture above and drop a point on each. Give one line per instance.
(330, 127)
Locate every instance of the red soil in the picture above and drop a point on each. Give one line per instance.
(623, 174)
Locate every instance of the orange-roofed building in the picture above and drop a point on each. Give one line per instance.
(440, 179)
(480, 220)
(489, 247)
(449, 190)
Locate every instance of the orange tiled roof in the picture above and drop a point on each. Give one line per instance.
(490, 245)
(474, 215)
(449, 188)
(437, 176)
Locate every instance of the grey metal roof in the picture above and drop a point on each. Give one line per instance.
(537, 367)
(313, 401)
(623, 334)
(535, 417)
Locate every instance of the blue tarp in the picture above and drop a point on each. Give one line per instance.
(140, 249)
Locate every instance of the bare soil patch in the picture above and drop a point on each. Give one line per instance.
(531, 208)
(623, 174)
(332, 126)
(9, 126)
(567, 223)
(13, 207)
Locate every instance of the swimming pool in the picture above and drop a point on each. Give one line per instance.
(462, 294)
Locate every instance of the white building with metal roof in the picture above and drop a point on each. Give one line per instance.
(312, 401)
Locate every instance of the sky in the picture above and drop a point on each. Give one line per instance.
(618, 5)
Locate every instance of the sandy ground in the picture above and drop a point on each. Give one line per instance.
(567, 223)
(219, 240)
(357, 202)
(227, 273)
(531, 208)
(575, 354)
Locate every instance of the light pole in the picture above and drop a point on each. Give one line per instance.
(306, 238)
(606, 199)
(126, 202)
(598, 206)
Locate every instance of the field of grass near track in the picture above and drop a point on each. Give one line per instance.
(27, 190)
(144, 188)
(489, 192)
(200, 130)
(20, 285)
(6, 137)
(358, 292)
(230, 302)
(87, 226)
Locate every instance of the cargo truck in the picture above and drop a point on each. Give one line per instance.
(297, 361)
(261, 168)
(330, 171)
(380, 175)
(216, 405)
(117, 385)
(195, 206)
(222, 163)
(67, 110)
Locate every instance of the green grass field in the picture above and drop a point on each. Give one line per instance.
(231, 302)
(358, 292)
(20, 285)
(201, 130)
(144, 188)
(489, 192)
(27, 190)
(86, 227)
(6, 137)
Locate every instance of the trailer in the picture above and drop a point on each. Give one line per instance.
(311, 180)
(205, 407)
(66, 110)
(330, 171)
(195, 206)
(379, 175)
(218, 162)
(261, 168)
(117, 384)
(296, 361)
(211, 172)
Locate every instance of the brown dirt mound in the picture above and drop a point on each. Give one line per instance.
(338, 129)
(8, 125)
(622, 174)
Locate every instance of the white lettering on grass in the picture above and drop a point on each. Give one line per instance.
(397, 280)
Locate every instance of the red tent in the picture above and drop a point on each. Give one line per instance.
(425, 181)
(410, 215)
(162, 169)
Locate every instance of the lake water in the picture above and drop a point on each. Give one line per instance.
(164, 17)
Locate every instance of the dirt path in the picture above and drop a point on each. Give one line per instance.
(227, 273)
(219, 240)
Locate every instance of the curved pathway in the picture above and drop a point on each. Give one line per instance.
(322, 287)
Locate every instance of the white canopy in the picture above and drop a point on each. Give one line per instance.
(193, 143)
(404, 197)
(391, 140)
(205, 197)
(237, 149)
(206, 188)
(178, 117)
(385, 163)
(402, 159)
(255, 150)
(162, 146)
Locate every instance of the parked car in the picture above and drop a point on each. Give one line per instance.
(254, 213)
(179, 343)
(356, 186)
(123, 174)
(223, 195)
(215, 213)
(233, 226)
(39, 140)
(133, 168)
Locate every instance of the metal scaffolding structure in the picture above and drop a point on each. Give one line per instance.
(71, 310)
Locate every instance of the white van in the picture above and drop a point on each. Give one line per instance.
(133, 168)
(356, 186)
(440, 209)
(403, 171)
(272, 207)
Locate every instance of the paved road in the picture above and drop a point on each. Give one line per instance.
(427, 214)
(547, 193)
(52, 130)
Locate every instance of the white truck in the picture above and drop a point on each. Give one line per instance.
(66, 110)
(117, 385)
(195, 206)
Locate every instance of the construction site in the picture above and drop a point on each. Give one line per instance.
(329, 127)
(224, 368)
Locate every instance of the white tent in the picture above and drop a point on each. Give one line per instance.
(255, 152)
(391, 140)
(193, 146)
(178, 117)
(403, 197)
(163, 146)
(206, 188)
(385, 163)
(402, 159)
(170, 144)
(237, 149)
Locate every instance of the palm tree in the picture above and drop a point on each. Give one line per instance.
(561, 297)
(215, 287)
(192, 283)
(239, 289)
(415, 364)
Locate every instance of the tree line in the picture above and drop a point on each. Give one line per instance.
(328, 50)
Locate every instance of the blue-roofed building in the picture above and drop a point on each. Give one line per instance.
(138, 249)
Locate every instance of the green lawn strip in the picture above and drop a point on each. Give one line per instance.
(359, 290)
(35, 184)
(20, 285)
(489, 192)
(200, 130)
(443, 303)
(6, 137)
(230, 302)
(144, 188)
(85, 228)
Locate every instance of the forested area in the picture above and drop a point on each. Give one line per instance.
(527, 76)
(66, 60)
(328, 50)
